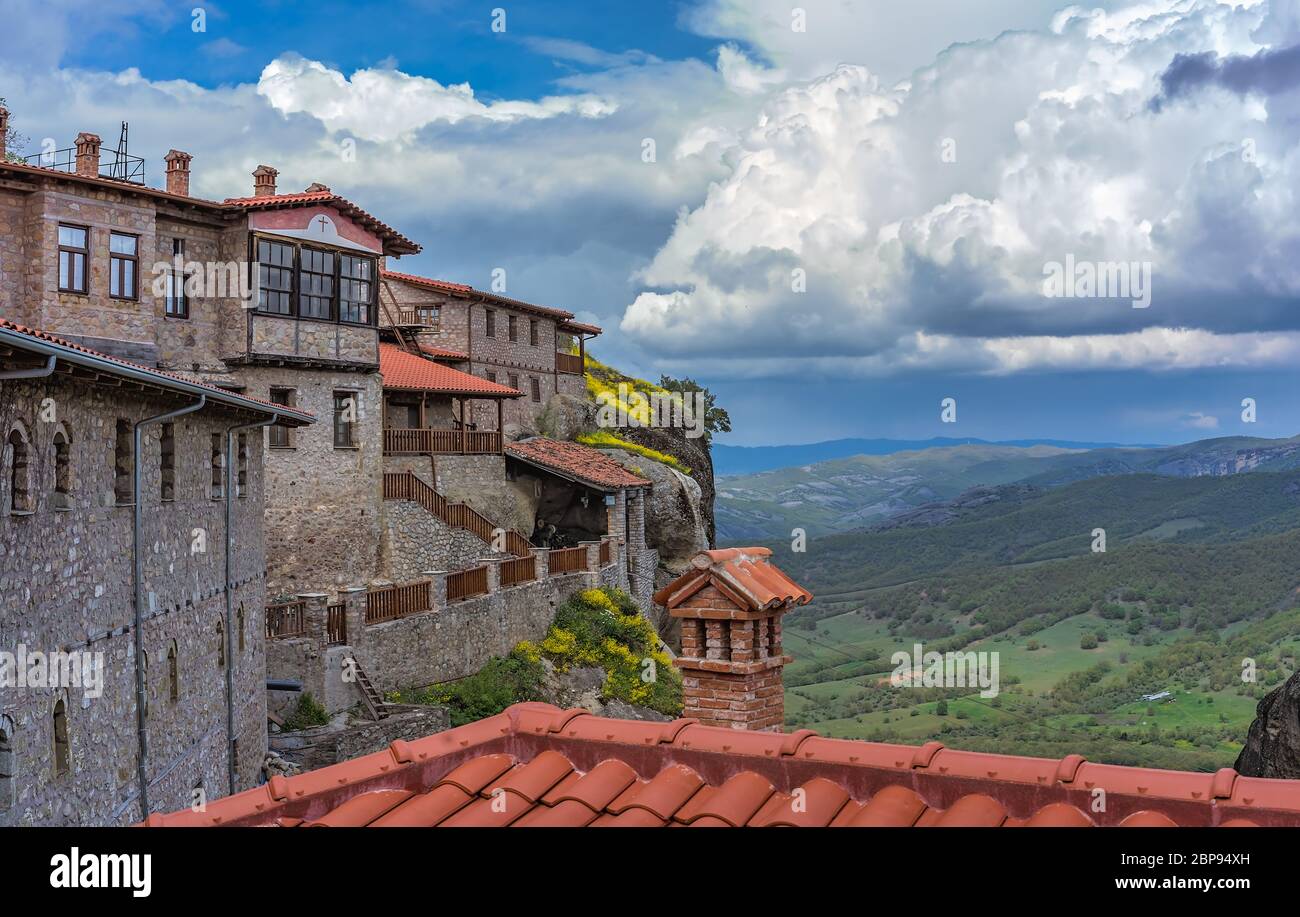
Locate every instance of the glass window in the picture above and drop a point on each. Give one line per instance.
(122, 266)
(176, 304)
(356, 289)
(275, 280)
(345, 415)
(279, 432)
(491, 324)
(316, 284)
(73, 248)
(514, 328)
(532, 332)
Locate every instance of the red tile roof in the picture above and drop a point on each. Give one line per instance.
(403, 370)
(442, 353)
(743, 573)
(35, 340)
(535, 765)
(461, 289)
(398, 244)
(575, 461)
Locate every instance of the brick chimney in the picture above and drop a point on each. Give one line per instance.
(4, 132)
(730, 604)
(178, 172)
(88, 154)
(264, 181)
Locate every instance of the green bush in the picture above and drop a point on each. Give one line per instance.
(307, 714)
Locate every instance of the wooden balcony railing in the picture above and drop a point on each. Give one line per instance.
(398, 441)
(429, 318)
(606, 552)
(467, 583)
(403, 485)
(519, 570)
(568, 560)
(568, 363)
(287, 619)
(388, 603)
(336, 624)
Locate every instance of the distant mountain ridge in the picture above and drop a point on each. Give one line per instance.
(728, 460)
(861, 491)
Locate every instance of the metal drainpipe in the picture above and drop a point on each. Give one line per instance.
(230, 601)
(137, 519)
(38, 373)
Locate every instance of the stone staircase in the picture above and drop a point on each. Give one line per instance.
(406, 485)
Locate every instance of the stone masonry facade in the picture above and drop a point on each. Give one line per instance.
(483, 331)
(66, 583)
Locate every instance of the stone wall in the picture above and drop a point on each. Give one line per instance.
(416, 541)
(315, 748)
(463, 326)
(324, 504)
(66, 585)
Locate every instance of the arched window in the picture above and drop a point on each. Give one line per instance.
(20, 490)
(173, 674)
(241, 486)
(7, 762)
(62, 753)
(239, 622)
(62, 469)
(221, 644)
(123, 465)
(167, 461)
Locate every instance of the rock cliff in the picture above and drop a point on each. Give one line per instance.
(1272, 746)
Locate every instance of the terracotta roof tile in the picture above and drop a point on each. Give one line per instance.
(404, 370)
(398, 243)
(745, 573)
(443, 353)
(536, 765)
(461, 289)
(76, 352)
(735, 802)
(576, 461)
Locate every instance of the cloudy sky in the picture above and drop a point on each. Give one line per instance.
(836, 215)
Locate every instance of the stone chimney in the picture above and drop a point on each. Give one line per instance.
(4, 132)
(178, 172)
(730, 604)
(88, 154)
(264, 181)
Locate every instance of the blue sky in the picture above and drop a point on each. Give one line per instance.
(841, 224)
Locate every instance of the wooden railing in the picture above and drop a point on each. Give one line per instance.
(336, 624)
(519, 570)
(429, 318)
(287, 619)
(424, 441)
(568, 363)
(606, 552)
(568, 560)
(466, 583)
(403, 485)
(388, 603)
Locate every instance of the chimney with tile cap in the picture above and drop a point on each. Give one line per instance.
(730, 604)
(264, 181)
(178, 172)
(88, 154)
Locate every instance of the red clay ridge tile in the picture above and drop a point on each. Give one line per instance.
(973, 811)
(735, 802)
(1058, 815)
(360, 811)
(427, 809)
(598, 787)
(531, 781)
(473, 776)
(574, 460)
(663, 795)
(813, 805)
(892, 807)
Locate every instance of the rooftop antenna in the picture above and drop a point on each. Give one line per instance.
(119, 167)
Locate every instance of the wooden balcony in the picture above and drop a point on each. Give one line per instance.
(568, 363)
(399, 441)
